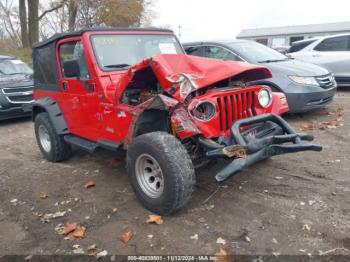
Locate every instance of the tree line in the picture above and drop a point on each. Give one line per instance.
(24, 22)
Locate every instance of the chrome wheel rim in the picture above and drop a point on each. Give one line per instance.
(44, 138)
(149, 176)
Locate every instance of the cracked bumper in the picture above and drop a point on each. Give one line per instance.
(245, 152)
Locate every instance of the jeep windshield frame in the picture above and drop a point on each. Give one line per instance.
(130, 49)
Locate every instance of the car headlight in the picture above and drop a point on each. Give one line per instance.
(304, 80)
(186, 82)
(265, 97)
(204, 111)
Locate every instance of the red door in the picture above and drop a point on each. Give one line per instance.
(80, 101)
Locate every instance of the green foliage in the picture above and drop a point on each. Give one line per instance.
(24, 54)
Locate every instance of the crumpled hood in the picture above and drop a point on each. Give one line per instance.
(207, 71)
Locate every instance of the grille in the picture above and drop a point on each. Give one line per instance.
(17, 89)
(234, 107)
(19, 95)
(21, 99)
(326, 81)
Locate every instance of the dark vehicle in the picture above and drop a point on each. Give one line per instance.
(16, 87)
(306, 86)
(136, 90)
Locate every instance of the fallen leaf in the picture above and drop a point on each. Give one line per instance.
(79, 232)
(247, 239)
(115, 210)
(89, 184)
(43, 195)
(311, 202)
(274, 240)
(91, 247)
(154, 219)
(223, 256)
(221, 241)
(77, 249)
(307, 127)
(114, 162)
(194, 237)
(306, 227)
(125, 238)
(69, 227)
(101, 254)
(48, 216)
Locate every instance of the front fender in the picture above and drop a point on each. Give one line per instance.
(50, 106)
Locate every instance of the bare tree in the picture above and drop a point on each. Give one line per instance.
(7, 16)
(23, 21)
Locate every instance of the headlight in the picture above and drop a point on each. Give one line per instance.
(186, 82)
(265, 97)
(304, 80)
(204, 111)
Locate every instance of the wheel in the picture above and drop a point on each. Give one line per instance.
(160, 172)
(52, 146)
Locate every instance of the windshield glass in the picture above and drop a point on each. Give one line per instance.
(257, 53)
(115, 52)
(13, 67)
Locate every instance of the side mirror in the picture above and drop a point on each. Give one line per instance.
(71, 68)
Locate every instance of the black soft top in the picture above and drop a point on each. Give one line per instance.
(59, 36)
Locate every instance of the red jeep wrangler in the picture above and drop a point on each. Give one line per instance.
(136, 90)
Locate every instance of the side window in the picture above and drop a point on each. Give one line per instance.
(339, 43)
(194, 50)
(217, 52)
(72, 54)
(44, 61)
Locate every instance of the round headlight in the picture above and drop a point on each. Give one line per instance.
(204, 111)
(265, 97)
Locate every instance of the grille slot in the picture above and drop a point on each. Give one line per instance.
(17, 89)
(234, 107)
(326, 81)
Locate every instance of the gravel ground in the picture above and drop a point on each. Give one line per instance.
(293, 204)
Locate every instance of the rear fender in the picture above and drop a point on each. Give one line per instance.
(50, 106)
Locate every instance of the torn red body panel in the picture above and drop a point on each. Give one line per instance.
(231, 104)
(205, 71)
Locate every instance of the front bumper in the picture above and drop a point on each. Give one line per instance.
(13, 112)
(246, 152)
(306, 98)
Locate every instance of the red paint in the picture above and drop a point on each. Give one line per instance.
(99, 114)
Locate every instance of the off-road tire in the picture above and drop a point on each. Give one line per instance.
(175, 164)
(60, 150)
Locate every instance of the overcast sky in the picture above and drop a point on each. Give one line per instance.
(224, 19)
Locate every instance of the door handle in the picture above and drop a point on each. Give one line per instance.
(65, 86)
(316, 55)
(89, 86)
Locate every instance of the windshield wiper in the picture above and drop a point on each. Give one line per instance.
(117, 66)
(272, 60)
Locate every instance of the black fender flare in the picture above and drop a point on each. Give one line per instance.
(50, 106)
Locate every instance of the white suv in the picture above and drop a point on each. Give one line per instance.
(331, 52)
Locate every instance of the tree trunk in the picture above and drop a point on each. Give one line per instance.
(72, 14)
(33, 21)
(23, 21)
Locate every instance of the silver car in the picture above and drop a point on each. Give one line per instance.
(331, 52)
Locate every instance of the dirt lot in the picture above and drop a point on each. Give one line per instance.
(293, 204)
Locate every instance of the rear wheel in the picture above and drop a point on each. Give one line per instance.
(160, 172)
(52, 146)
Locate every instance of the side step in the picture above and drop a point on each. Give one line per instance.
(90, 146)
(81, 142)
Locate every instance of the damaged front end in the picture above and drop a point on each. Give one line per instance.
(211, 109)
